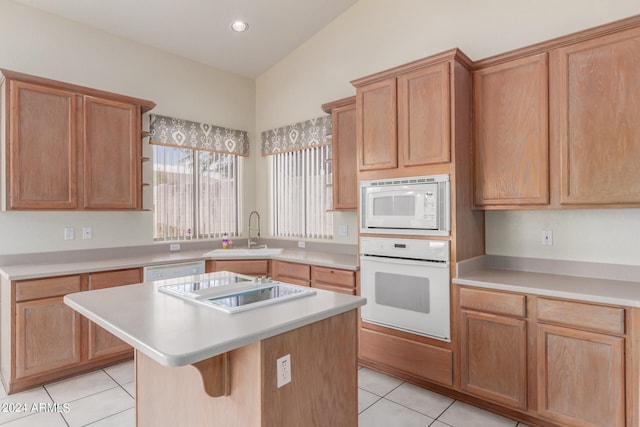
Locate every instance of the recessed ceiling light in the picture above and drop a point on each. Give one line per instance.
(239, 26)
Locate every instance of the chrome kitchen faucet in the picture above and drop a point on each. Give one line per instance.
(249, 242)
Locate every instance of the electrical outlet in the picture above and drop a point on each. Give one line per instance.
(87, 233)
(301, 245)
(547, 238)
(174, 247)
(343, 230)
(283, 369)
(68, 233)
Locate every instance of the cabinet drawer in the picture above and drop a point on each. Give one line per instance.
(283, 269)
(334, 288)
(332, 276)
(494, 302)
(259, 267)
(581, 315)
(424, 360)
(45, 288)
(109, 279)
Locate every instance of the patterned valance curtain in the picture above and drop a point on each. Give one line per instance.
(198, 136)
(297, 136)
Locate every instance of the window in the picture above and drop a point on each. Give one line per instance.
(195, 193)
(301, 198)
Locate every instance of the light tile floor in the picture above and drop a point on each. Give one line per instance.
(105, 398)
(387, 401)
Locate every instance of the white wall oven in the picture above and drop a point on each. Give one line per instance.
(417, 205)
(406, 283)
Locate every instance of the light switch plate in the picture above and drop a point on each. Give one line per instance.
(68, 233)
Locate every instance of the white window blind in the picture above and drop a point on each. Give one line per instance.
(301, 198)
(195, 193)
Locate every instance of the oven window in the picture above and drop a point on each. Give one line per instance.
(394, 205)
(401, 291)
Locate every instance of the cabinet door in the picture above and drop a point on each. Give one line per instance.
(597, 90)
(100, 342)
(424, 116)
(581, 377)
(47, 336)
(511, 143)
(377, 125)
(344, 152)
(41, 148)
(111, 154)
(494, 358)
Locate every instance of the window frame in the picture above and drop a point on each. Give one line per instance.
(197, 233)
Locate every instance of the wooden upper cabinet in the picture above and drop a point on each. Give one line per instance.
(41, 147)
(596, 88)
(424, 115)
(111, 154)
(511, 142)
(377, 125)
(407, 116)
(70, 147)
(344, 154)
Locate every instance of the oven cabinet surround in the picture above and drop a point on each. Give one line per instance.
(415, 120)
(565, 362)
(220, 369)
(70, 147)
(406, 116)
(343, 154)
(557, 124)
(44, 340)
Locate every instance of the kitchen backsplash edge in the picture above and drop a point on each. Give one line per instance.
(162, 248)
(592, 270)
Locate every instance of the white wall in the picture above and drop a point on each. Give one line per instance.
(374, 35)
(42, 44)
(371, 36)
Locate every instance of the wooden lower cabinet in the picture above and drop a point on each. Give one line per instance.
(251, 267)
(47, 337)
(581, 377)
(552, 361)
(502, 377)
(100, 343)
(44, 340)
(406, 356)
(291, 272)
(333, 279)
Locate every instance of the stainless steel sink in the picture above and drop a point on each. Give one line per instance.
(243, 252)
(231, 292)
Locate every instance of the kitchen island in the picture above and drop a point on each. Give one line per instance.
(200, 366)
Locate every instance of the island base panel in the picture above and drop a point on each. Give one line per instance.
(322, 392)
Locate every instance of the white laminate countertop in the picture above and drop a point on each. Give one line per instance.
(34, 271)
(174, 332)
(604, 290)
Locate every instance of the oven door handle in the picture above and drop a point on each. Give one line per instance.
(402, 261)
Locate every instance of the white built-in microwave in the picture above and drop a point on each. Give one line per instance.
(416, 205)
